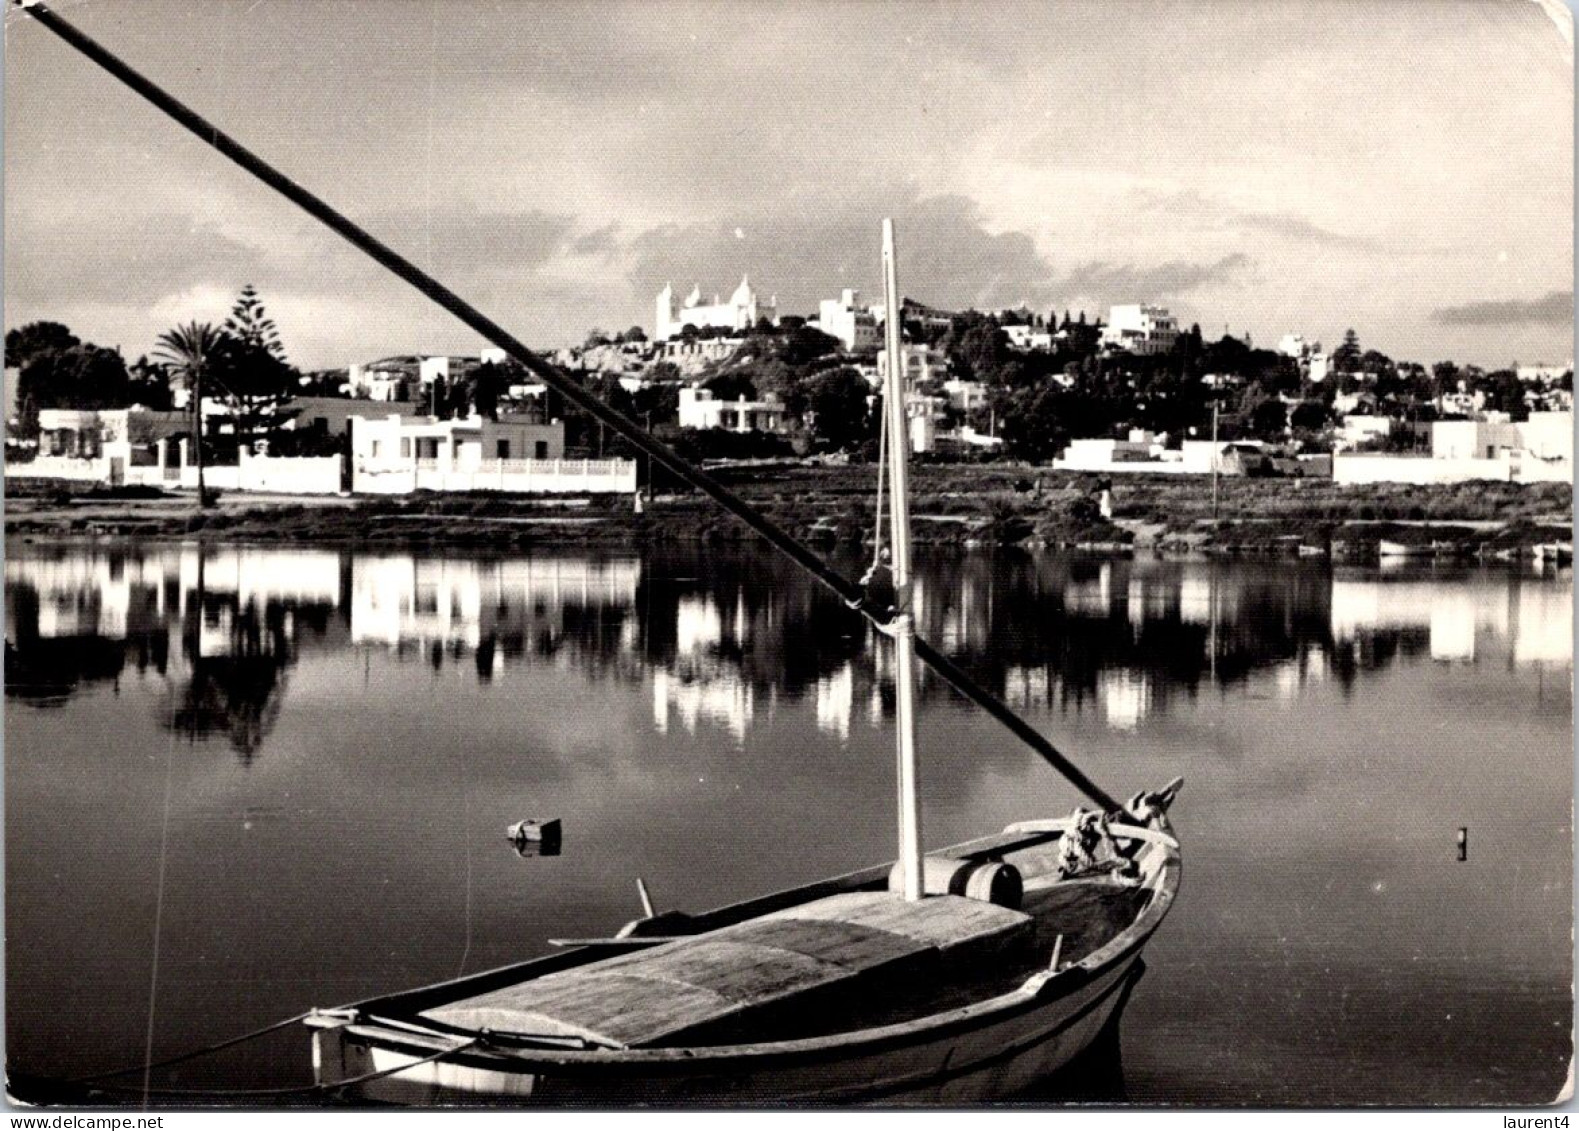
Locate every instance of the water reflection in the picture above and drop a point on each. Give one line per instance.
(364, 726)
(724, 638)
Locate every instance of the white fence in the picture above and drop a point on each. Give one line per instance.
(521, 476)
(286, 476)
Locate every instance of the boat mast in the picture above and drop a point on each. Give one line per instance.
(903, 626)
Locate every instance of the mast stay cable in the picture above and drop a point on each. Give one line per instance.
(571, 390)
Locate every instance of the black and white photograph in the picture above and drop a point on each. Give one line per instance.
(789, 554)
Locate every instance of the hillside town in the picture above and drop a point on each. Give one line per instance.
(731, 378)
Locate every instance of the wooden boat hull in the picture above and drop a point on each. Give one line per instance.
(994, 1058)
(988, 1050)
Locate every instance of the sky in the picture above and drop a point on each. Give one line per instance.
(1402, 167)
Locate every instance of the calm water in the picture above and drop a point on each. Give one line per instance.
(249, 780)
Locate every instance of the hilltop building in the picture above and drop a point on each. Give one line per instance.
(843, 318)
(741, 311)
(1141, 329)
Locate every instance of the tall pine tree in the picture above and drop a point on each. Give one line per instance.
(251, 371)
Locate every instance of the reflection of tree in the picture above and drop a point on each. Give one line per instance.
(236, 693)
(236, 696)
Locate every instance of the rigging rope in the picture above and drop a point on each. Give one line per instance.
(882, 469)
(574, 392)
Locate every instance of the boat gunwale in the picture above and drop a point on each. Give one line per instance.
(1039, 990)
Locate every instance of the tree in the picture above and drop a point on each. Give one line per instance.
(490, 382)
(836, 408)
(1269, 419)
(731, 386)
(1309, 416)
(191, 352)
(26, 342)
(149, 384)
(977, 346)
(804, 345)
(82, 376)
(250, 369)
(1346, 358)
(1445, 378)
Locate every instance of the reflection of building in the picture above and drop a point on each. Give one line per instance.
(836, 702)
(702, 685)
(1126, 697)
(727, 702)
(402, 600)
(1465, 620)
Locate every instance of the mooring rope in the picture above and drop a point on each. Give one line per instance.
(149, 1066)
(297, 1090)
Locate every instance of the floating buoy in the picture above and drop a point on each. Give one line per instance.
(535, 837)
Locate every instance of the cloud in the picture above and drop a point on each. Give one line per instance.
(476, 241)
(1114, 281)
(808, 250)
(600, 241)
(108, 259)
(1298, 228)
(1556, 308)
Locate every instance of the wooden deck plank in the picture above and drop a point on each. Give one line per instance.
(851, 945)
(943, 921)
(693, 983)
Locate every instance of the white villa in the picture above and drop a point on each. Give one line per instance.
(699, 408)
(1140, 328)
(845, 319)
(740, 312)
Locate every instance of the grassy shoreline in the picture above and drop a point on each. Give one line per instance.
(827, 505)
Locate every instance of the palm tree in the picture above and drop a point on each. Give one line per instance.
(190, 350)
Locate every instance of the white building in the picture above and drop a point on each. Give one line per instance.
(740, 312)
(965, 396)
(1543, 374)
(1030, 338)
(1140, 329)
(1358, 429)
(1295, 346)
(843, 318)
(397, 455)
(921, 363)
(699, 408)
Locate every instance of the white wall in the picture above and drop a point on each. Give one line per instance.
(521, 476)
(1415, 469)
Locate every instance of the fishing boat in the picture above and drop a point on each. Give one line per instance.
(959, 976)
(956, 976)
